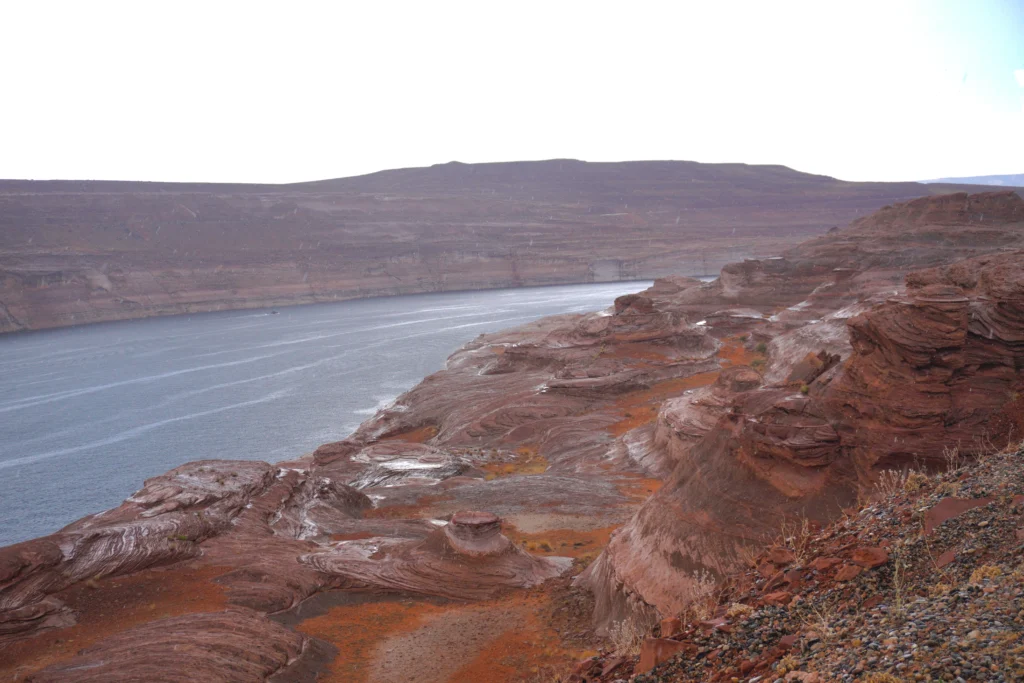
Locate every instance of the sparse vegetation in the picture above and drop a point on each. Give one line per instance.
(738, 610)
(953, 460)
(786, 664)
(820, 620)
(891, 481)
(985, 571)
(702, 595)
(797, 535)
(915, 481)
(761, 347)
(899, 585)
(628, 635)
(881, 678)
(804, 389)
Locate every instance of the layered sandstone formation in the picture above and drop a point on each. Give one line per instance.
(928, 365)
(777, 392)
(77, 252)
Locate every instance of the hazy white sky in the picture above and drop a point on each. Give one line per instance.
(290, 91)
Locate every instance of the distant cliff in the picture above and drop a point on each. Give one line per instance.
(75, 252)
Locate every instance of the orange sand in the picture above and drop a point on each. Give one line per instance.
(418, 435)
(528, 461)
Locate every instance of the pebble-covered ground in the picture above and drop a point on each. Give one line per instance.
(924, 585)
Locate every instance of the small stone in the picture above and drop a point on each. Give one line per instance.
(848, 572)
(870, 557)
(780, 557)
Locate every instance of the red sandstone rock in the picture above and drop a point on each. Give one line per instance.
(948, 508)
(670, 627)
(823, 564)
(926, 369)
(870, 557)
(919, 369)
(781, 557)
(236, 645)
(778, 598)
(848, 572)
(467, 558)
(945, 559)
(655, 651)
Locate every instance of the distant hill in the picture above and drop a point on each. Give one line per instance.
(1012, 180)
(74, 252)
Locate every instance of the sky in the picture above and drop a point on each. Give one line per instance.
(280, 92)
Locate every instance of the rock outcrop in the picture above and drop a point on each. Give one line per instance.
(207, 647)
(780, 392)
(938, 367)
(467, 558)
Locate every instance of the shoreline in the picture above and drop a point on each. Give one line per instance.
(269, 305)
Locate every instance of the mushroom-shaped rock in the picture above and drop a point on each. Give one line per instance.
(467, 559)
(476, 534)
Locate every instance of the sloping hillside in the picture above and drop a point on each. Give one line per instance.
(74, 252)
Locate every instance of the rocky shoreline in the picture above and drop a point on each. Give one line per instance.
(648, 449)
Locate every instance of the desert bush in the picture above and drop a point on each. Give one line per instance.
(985, 571)
(738, 609)
(915, 481)
(953, 460)
(891, 482)
(702, 595)
(797, 534)
(628, 635)
(787, 664)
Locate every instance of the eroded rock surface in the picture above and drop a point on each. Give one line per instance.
(934, 364)
(467, 558)
(234, 645)
(779, 391)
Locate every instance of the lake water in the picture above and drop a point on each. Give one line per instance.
(88, 413)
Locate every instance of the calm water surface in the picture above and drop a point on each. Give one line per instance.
(87, 413)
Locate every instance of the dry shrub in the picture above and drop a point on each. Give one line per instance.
(797, 536)
(915, 481)
(953, 459)
(738, 609)
(891, 482)
(703, 596)
(820, 619)
(748, 555)
(986, 571)
(787, 664)
(899, 584)
(628, 635)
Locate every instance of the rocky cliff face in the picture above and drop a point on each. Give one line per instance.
(80, 252)
(927, 366)
(778, 392)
